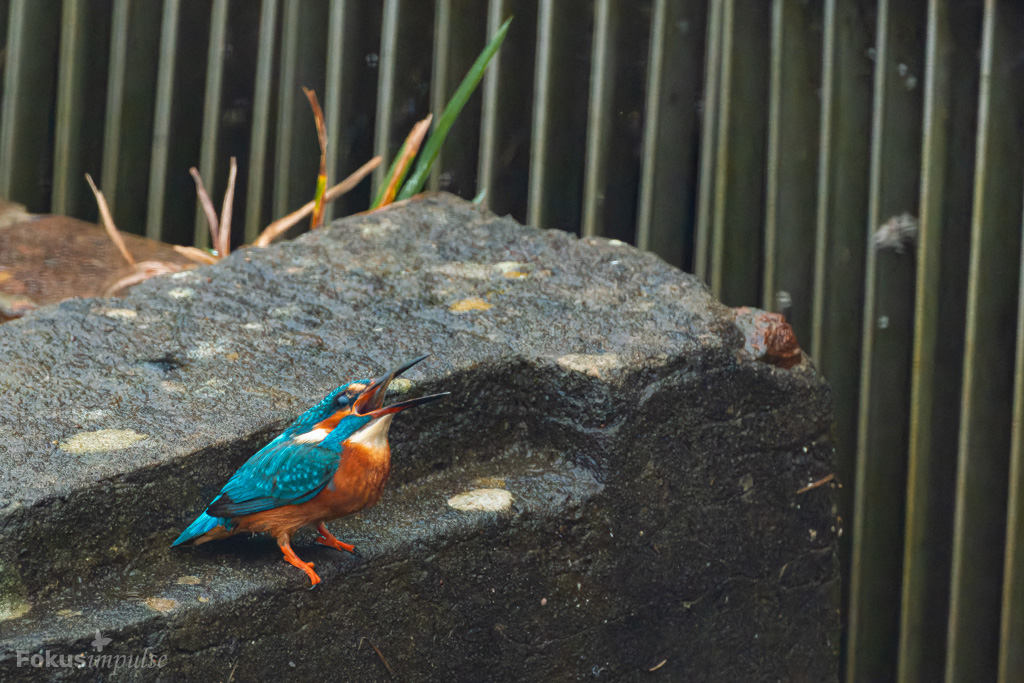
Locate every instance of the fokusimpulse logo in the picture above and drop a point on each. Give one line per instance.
(48, 659)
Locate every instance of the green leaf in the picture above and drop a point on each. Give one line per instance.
(430, 150)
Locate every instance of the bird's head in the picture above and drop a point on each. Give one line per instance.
(359, 398)
(368, 419)
(317, 422)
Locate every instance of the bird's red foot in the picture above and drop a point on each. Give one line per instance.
(294, 560)
(328, 539)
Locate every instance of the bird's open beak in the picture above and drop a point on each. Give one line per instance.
(371, 401)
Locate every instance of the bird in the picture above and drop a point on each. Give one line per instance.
(334, 460)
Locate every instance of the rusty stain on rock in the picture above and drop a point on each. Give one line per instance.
(161, 604)
(473, 303)
(768, 337)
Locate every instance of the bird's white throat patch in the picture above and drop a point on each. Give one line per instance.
(375, 434)
(315, 436)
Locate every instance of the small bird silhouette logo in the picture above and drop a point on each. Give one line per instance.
(100, 642)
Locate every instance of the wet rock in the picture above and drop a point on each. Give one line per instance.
(615, 485)
(47, 259)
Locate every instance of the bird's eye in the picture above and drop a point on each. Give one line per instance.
(343, 400)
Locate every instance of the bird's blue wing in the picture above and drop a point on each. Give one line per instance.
(282, 473)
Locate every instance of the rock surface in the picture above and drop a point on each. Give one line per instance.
(47, 259)
(640, 481)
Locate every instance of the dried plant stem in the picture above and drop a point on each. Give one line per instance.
(224, 244)
(401, 165)
(141, 272)
(278, 227)
(347, 184)
(204, 200)
(108, 222)
(220, 230)
(197, 255)
(821, 482)
(382, 660)
(321, 182)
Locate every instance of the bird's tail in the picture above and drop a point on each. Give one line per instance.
(205, 528)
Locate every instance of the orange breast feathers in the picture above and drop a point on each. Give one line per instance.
(359, 482)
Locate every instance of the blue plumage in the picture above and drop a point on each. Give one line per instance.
(339, 398)
(302, 470)
(202, 524)
(284, 473)
(335, 457)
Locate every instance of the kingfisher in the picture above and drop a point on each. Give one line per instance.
(332, 461)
